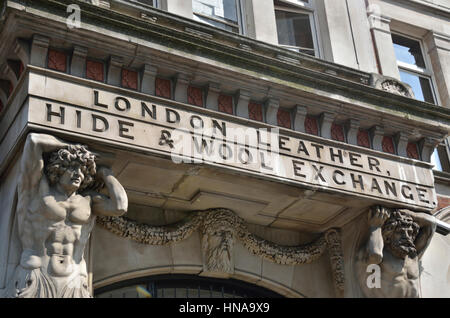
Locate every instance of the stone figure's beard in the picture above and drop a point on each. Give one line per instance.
(403, 248)
(219, 257)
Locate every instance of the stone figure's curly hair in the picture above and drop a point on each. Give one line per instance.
(398, 219)
(61, 159)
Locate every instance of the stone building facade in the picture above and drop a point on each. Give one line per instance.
(186, 148)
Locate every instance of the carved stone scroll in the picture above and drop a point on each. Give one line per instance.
(220, 228)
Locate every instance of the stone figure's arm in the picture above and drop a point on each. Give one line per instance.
(376, 218)
(117, 202)
(427, 225)
(32, 164)
(32, 183)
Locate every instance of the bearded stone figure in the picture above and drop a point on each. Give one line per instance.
(397, 240)
(58, 201)
(218, 241)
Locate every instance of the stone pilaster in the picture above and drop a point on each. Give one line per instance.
(352, 127)
(401, 140)
(115, 64)
(212, 97)
(381, 32)
(299, 118)
(149, 73)
(181, 85)
(377, 133)
(272, 106)
(325, 122)
(39, 50)
(243, 98)
(78, 63)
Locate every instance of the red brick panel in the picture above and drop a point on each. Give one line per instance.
(443, 202)
(363, 138)
(412, 151)
(225, 104)
(284, 118)
(255, 111)
(311, 126)
(95, 71)
(195, 96)
(163, 88)
(57, 60)
(337, 132)
(129, 79)
(388, 144)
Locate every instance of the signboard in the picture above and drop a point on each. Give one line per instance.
(193, 136)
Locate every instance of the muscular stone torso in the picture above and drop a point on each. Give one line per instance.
(58, 224)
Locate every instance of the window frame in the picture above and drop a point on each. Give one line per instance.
(303, 8)
(156, 3)
(240, 19)
(416, 70)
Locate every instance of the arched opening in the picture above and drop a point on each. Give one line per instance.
(183, 286)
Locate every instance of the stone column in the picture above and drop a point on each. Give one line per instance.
(439, 52)
(114, 70)
(212, 99)
(243, 98)
(377, 134)
(384, 46)
(148, 79)
(325, 122)
(352, 127)
(78, 64)
(299, 118)
(39, 49)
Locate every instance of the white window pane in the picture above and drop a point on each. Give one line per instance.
(436, 161)
(408, 51)
(294, 29)
(225, 9)
(421, 86)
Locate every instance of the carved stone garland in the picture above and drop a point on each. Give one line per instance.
(219, 227)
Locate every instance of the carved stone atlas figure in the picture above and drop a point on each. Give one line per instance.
(56, 209)
(397, 241)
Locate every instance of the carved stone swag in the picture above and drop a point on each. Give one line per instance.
(220, 228)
